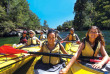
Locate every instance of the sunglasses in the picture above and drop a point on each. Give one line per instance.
(30, 33)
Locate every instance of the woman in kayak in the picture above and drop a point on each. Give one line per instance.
(24, 38)
(91, 45)
(72, 36)
(50, 64)
(33, 40)
(42, 36)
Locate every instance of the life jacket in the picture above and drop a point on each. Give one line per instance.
(32, 41)
(50, 59)
(72, 37)
(88, 50)
(23, 40)
(42, 37)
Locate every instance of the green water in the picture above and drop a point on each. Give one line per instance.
(81, 34)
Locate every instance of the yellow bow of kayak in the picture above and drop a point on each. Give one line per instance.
(78, 68)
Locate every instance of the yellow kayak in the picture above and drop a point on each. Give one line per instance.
(78, 68)
(10, 63)
(71, 48)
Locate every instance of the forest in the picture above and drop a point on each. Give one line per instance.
(15, 14)
(88, 13)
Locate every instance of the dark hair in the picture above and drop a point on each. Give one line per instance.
(99, 38)
(51, 31)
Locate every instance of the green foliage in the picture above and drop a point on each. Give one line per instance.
(59, 27)
(91, 12)
(16, 14)
(45, 25)
(67, 25)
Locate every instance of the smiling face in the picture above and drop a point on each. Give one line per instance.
(51, 38)
(71, 31)
(93, 33)
(41, 33)
(31, 34)
(24, 34)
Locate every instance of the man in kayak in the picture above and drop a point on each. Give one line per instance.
(50, 64)
(42, 36)
(91, 45)
(57, 35)
(72, 37)
(33, 40)
(24, 37)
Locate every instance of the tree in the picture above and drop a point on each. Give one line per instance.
(45, 25)
(16, 14)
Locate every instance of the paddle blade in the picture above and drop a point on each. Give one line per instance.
(10, 50)
(61, 41)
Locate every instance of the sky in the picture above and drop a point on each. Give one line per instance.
(55, 12)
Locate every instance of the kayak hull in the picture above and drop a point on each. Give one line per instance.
(11, 63)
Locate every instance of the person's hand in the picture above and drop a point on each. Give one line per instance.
(97, 66)
(78, 42)
(63, 71)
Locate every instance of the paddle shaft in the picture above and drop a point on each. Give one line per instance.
(91, 59)
(68, 41)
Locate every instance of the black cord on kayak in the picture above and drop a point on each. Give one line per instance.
(52, 54)
(62, 55)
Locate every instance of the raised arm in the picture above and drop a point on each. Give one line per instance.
(39, 42)
(65, 38)
(77, 38)
(62, 49)
(73, 59)
(104, 60)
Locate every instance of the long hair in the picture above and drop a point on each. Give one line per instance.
(99, 38)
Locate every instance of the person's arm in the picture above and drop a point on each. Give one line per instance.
(104, 60)
(39, 41)
(27, 42)
(77, 39)
(62, 49)
(59, 38)
(65, 38)
(73, 59)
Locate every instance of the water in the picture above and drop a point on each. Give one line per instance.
(81, 34)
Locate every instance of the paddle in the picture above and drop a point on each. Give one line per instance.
(67, 41)
(83, 58)
(11, 50)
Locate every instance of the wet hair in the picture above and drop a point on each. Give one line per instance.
(51, 31)
(99, 38)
